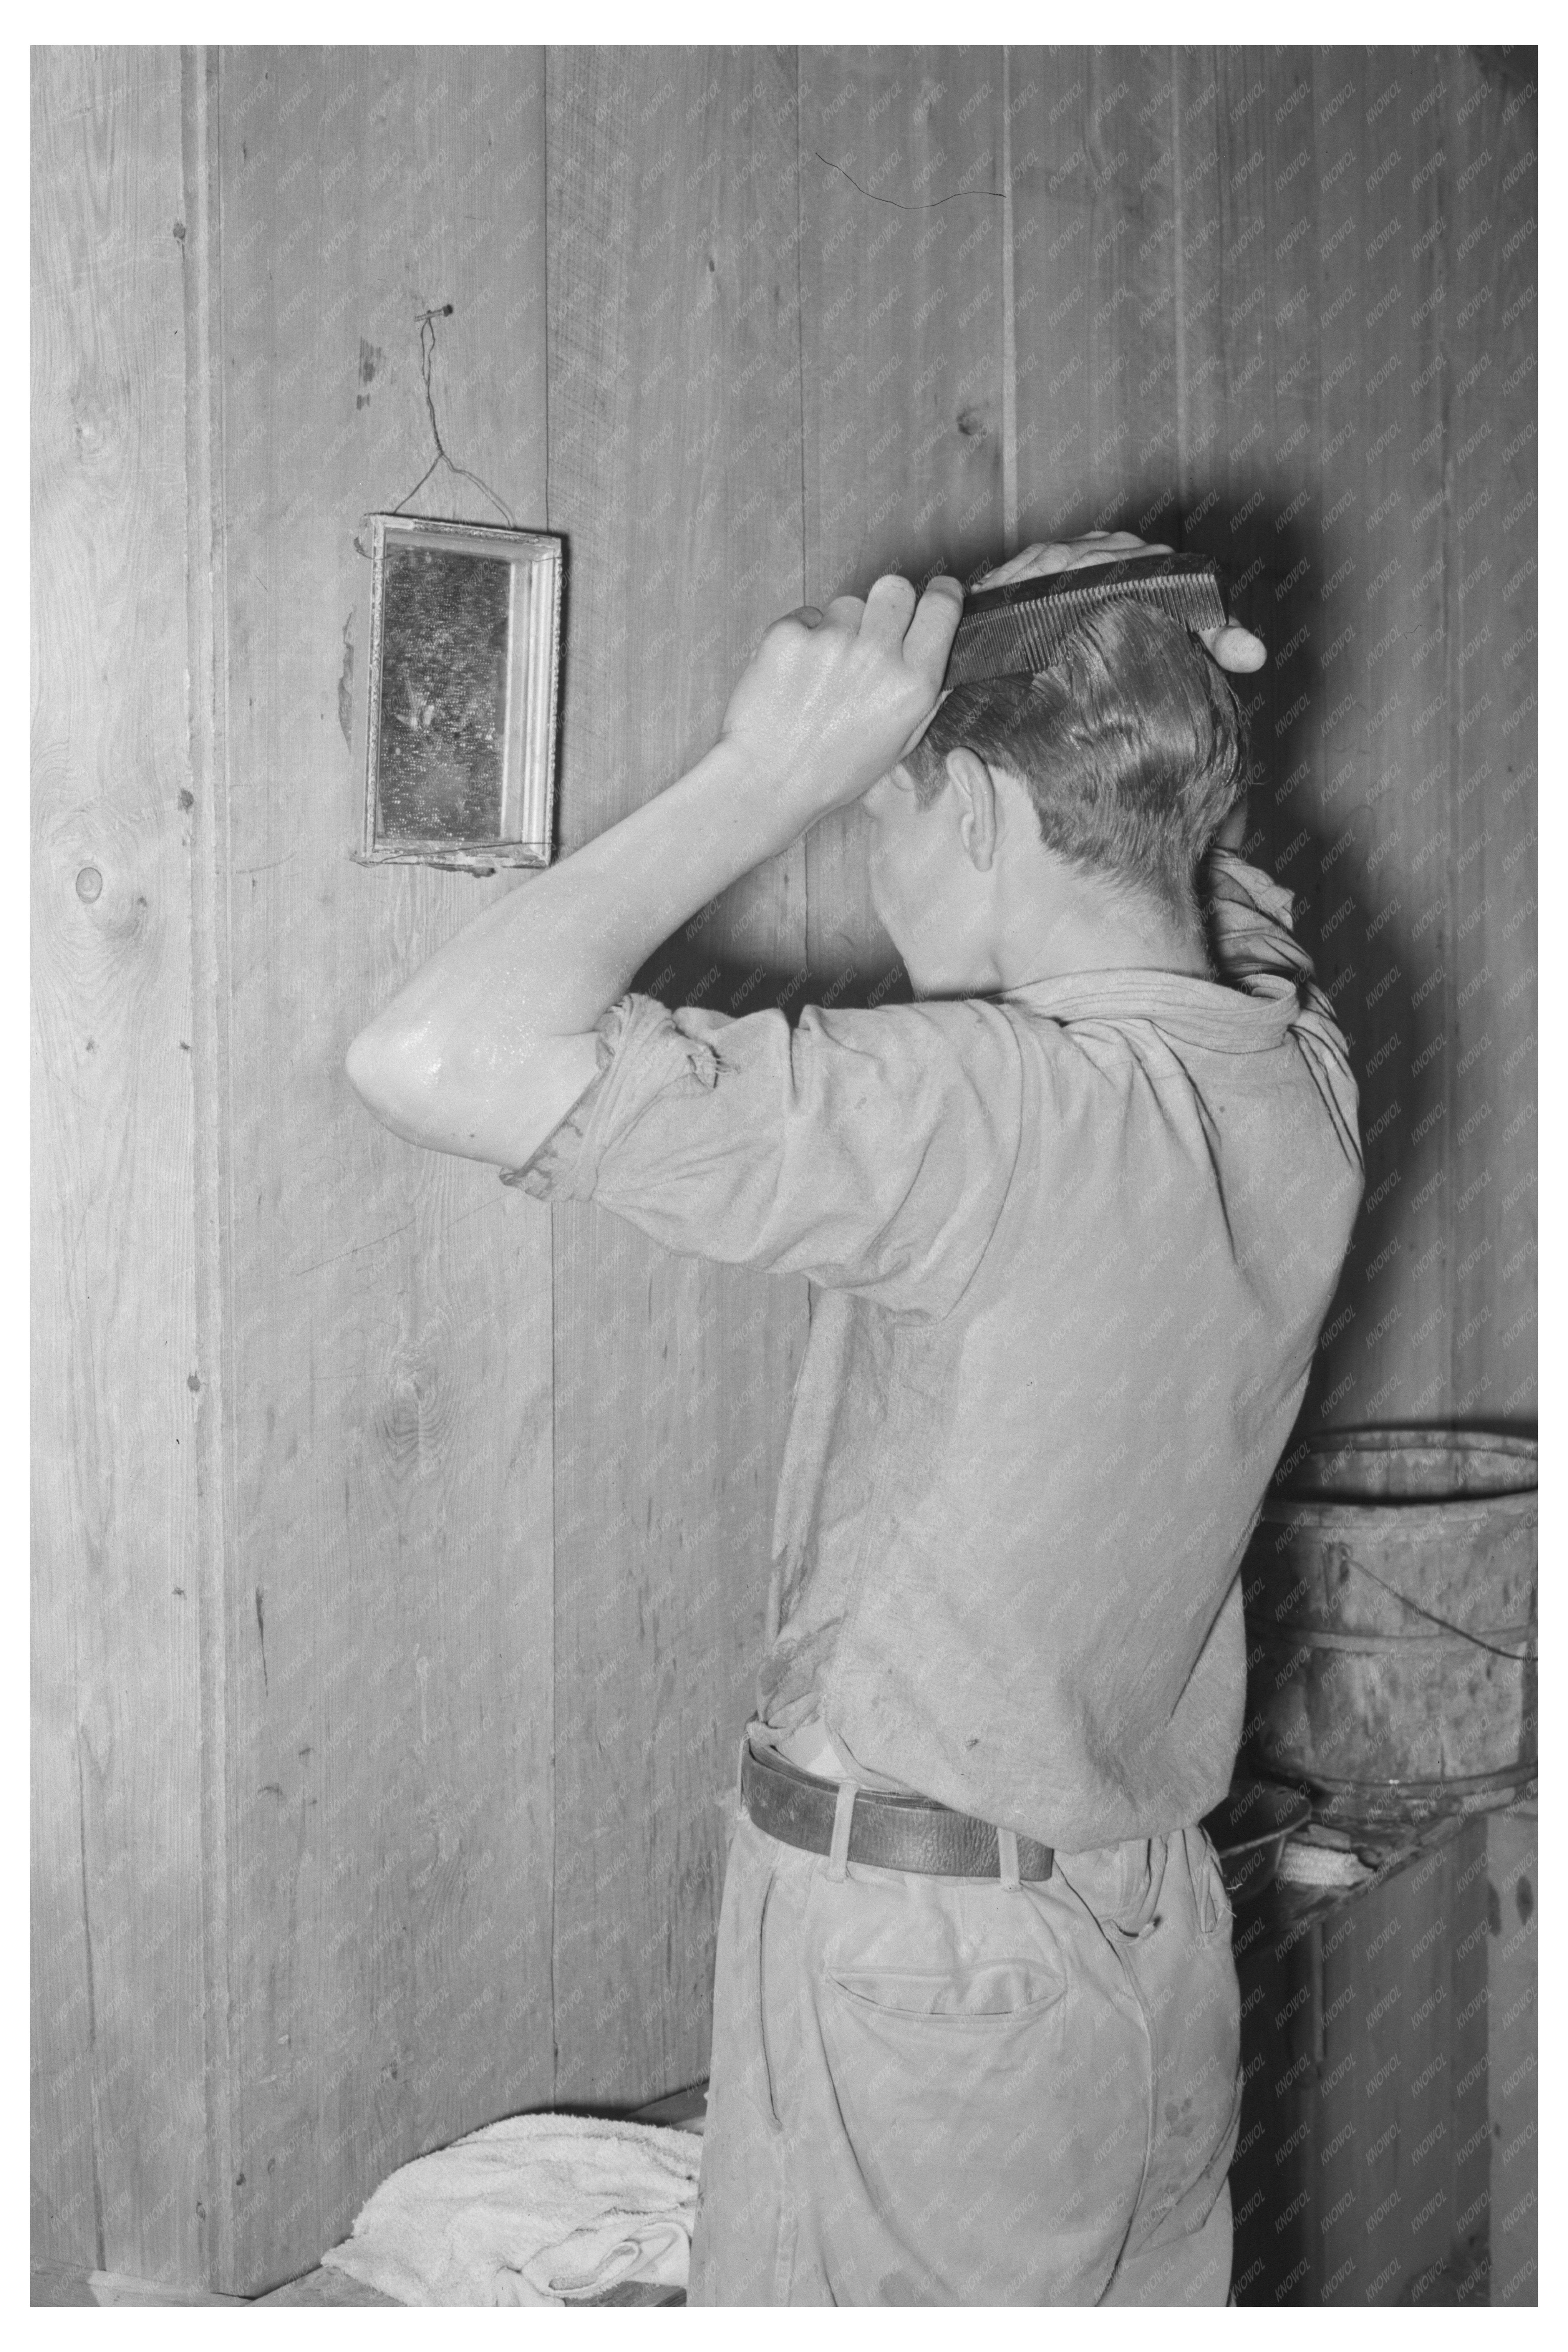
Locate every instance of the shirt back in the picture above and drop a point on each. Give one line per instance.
(1075, 1247)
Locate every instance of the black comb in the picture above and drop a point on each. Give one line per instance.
(1013, 631)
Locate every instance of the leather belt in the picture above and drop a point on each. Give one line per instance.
(888, 1831)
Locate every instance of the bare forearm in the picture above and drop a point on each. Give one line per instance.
(491, 1041)
(481, 1021)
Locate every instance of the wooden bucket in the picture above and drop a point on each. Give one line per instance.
(1389, 1595)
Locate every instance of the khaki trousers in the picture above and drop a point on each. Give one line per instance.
(933, 2090)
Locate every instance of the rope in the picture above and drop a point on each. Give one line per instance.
(427, 360)
(1326, 1638)
(1433, 1619)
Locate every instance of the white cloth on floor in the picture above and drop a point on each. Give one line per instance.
(535, 2209)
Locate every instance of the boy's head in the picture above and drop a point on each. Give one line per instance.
(1131, 745)
(1121, 759)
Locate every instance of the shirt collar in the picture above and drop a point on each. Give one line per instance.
(1204, 1012)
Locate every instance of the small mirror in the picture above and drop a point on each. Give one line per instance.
(458, 715)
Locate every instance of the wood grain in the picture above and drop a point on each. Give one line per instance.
(1339, 434)
(1320, 372)
(1490, 518)
(209, 1041)
(1097, 287)
(675, 473)
(117, 1882)
(389, 1649)
(902, 292)
(1394, 2154)
(1510, 1982)
(1361, 2169)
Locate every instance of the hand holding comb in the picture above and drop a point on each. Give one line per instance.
(1019, 628)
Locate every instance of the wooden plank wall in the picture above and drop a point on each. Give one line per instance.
(119, 2167)
(389, 1411)
(482, 1514)
(1513, 1893)
(1097, 292)
(1362, 2173)
(901, 348)
(1356, 258)
(675, 473)
(1354, 233)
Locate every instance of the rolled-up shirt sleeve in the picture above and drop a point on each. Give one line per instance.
(869, 1151)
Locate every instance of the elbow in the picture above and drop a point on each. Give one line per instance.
(390, 1081)
(436, 1092)
(362, 1065)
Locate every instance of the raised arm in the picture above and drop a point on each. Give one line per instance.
(491, 1041)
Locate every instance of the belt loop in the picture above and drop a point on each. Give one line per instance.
(1007, 1856)
(740, 1772)
(843, 1816)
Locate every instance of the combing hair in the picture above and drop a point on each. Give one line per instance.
(1130, 744)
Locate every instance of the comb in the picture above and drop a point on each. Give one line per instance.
(1013, 631)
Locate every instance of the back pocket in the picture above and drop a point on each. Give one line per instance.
(993, 2117)
(995, 1993)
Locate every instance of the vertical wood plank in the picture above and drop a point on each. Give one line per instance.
(1341, 2137)
(209, 1043)
(1251, 262)
(1513, 2110)
(117, 1900)
(1490, 466)
(902, 300)
(1399, 2221)
(1271, 2191)
(1095, 280)
(1396, 899)
(1465, 2117)
(390, 1421)
(675, 473)
(1361, 2172)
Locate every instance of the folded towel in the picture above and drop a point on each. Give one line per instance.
(535, 2209)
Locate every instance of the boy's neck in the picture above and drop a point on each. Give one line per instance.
(1079, 926)
(1111, 946)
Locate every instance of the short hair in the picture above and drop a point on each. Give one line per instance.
(1131, 746)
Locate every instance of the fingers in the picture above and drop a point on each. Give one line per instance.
(845, 612)
(1235, 648)
(889, 608)
(931, 633)
(1033, 562)
(923, 628)
(1105, 546)
(1045, 556)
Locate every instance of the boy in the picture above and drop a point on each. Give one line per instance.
(1077, 1216)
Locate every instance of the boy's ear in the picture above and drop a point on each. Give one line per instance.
(971, 779)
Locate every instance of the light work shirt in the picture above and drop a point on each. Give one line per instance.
(1073, 1247)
